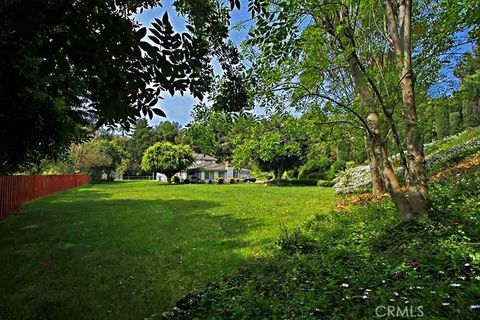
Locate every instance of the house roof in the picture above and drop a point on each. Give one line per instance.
(203, 157)
(207, 166)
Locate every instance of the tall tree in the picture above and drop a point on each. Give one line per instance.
(274, 145)
(66, 64)
(167, 158)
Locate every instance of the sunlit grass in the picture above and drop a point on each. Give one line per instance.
(131, 249)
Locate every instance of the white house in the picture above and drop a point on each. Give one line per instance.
(206, 168)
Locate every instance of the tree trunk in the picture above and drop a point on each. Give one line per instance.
(378, 186)
(391, 180)
(401, 36)
(278, 173)
(417, 180)
(169, 178)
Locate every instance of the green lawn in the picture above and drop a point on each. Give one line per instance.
(128, 250)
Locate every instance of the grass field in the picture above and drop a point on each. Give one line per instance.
(128, 250)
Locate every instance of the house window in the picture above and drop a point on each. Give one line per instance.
(209, 175)
(235, 174)
(221, 174)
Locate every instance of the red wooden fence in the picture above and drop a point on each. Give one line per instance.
(15, 190)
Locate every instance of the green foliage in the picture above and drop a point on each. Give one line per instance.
(220, 180)
(68, 65)
(275, 144)
(455, 122)
(231, 180)
(452, 142)
(209, 133)
(315, 169)
(441, 120)
(96, 157)
(325, 183)
(346, 264)
(339, 165)
(167, 158)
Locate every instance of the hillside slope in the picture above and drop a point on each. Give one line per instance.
(438, 155)
(354, 264)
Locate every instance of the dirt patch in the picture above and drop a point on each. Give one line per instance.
(466, 165)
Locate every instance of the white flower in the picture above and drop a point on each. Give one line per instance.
(456, 285)
(445, 304)
(344, 285)
(475, 307)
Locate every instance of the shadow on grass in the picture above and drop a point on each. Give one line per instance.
(85, 255)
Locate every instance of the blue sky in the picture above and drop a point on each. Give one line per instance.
(178, 108)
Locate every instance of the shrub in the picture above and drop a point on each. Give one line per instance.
(176, 179)
(186, 181)
(210, 181)
(315, 169)
(231, 180)
(325, 183)
(220, 180)
(253, 180)
(237, 180)
(95, 176)
(339, 165)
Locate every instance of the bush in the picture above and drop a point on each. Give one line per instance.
(220, 180)
(315, 169)
(293, 182)
(325, 183)
(339, 165)
(95, 176)
(231, 180)
(186, 181)
(237, 180)
(176, 179)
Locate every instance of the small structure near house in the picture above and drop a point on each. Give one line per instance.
(206, 168)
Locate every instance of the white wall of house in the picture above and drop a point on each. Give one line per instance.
(160, 177)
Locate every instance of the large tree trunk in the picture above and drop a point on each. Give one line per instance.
(169, 178)
(417, 180)
(401, 36)
(378, 186)
(391, 180)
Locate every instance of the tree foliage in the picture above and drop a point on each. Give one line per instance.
(96, 157)
(275, 144)
(69, 64)
(167, 158)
